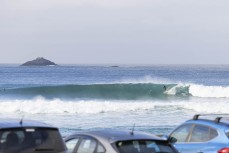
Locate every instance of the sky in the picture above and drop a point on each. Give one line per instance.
(144, 32)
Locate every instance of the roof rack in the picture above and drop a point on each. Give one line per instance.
(217, 119)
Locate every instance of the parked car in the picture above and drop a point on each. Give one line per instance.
(117, 141)
(201, 135)
(24, 136)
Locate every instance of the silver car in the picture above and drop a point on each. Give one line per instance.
(117, 141)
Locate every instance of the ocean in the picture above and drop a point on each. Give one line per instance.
(153, 98)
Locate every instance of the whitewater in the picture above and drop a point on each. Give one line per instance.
(154, 98)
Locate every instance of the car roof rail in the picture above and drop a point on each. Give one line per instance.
(196, 117)
(217, 119)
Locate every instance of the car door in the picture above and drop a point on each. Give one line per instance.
(182, 134)
(199, 139)
(194, 138)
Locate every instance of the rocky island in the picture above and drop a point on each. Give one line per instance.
(40, 61)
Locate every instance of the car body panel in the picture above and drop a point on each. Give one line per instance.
(213, 145)
(14, 123)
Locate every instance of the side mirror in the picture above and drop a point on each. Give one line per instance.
(169, 138)
(172, 140)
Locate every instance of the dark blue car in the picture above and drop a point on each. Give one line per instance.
(23, 136)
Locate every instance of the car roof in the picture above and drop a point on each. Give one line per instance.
(211, 123)
(216, 118)
(218, 121)
(17, 123)
(112, 135)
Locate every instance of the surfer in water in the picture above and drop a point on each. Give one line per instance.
(164, 87)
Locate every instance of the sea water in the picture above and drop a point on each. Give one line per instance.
(153, 98)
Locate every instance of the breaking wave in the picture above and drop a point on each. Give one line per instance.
(118, 91)
(209, 91)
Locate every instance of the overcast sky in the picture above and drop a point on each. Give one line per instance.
(115, 31)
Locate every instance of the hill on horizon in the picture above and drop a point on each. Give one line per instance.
(39, 61)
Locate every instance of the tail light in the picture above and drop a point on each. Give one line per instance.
(224, 150)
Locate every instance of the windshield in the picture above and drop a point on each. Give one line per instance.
(144, 146)
(29, 140)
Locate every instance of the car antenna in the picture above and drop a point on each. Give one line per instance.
(132, 132)
(21, 121)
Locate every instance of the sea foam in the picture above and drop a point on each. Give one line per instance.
(57, 106)
(209, 91)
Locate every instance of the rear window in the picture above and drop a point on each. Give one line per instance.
(202, 134)
(227, 134)
(29, 140)
(144, 146)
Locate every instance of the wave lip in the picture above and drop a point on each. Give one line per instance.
(201, 91)
(179, 89)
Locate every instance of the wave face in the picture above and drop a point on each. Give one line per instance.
(118, 91)
(121, 91)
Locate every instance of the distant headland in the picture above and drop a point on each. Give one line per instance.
(40, 61)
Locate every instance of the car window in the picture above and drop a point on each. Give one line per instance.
(31, 140)
(202, 134)
(71, 144)
(227, 134)
(100, 149)
(90, 145)
(181, 134)
(213, 133)
(144, 146)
